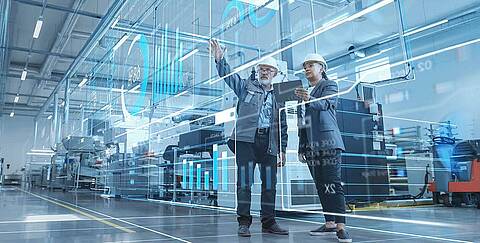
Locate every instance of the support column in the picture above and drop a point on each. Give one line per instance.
(66, 108)
(56, 130)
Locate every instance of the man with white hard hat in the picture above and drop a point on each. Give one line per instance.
(260, 135)
(321, 144)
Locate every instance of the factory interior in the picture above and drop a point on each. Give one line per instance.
(116, 119)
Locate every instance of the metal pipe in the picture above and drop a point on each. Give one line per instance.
(99, 32)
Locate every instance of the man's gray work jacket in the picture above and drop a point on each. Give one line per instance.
(250, 100)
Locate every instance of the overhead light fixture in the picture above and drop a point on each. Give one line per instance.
(83, 82)
(191, 53)
(120, 42)
(115, 22)
(24, 75)
(49, 117)
(12, 114)
(38, 27)
(16, 99)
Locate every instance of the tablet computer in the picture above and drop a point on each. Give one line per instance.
(286, 91)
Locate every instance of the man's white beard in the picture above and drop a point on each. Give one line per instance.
(265, 81)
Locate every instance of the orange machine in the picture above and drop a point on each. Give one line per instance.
(460, 191)
(463, 186)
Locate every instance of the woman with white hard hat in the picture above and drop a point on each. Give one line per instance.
(260, 135)
(321, 144)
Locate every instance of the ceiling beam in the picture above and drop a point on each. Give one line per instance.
(41, 52)
(59, 8)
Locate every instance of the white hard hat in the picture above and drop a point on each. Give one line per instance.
(314, 57)
(269, 61)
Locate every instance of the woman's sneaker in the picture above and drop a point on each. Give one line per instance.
(324, 230)
(342, 236)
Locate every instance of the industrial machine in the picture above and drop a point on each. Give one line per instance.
(12, 180)
(456, 173)
(187, 174)
(79, 167)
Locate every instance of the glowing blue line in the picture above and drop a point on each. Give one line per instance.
(259, 22)
(154, 83)
(233, 5)
(199, 176)
(215, 167)
(146, 62)
(190, 175)
(169, 74)
(184, 174)
(164, 60)
(207, 181)
(180, 69)
(177, 55)
(160, 67)
(224, 173)
(157, 84)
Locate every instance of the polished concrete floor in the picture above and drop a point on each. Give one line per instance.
(43, 216)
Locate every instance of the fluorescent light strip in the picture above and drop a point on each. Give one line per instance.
(318, 31)
(108, 106)
(188, 55)
(425, 27)
(115, 22)
(135, 88)
(437, 52)
(120, 42)
(429, 54)
(181, 93)
(42, 150)
(84, 81)
(38, 28)
(41, 154)
(123, 91)
(24, 75)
